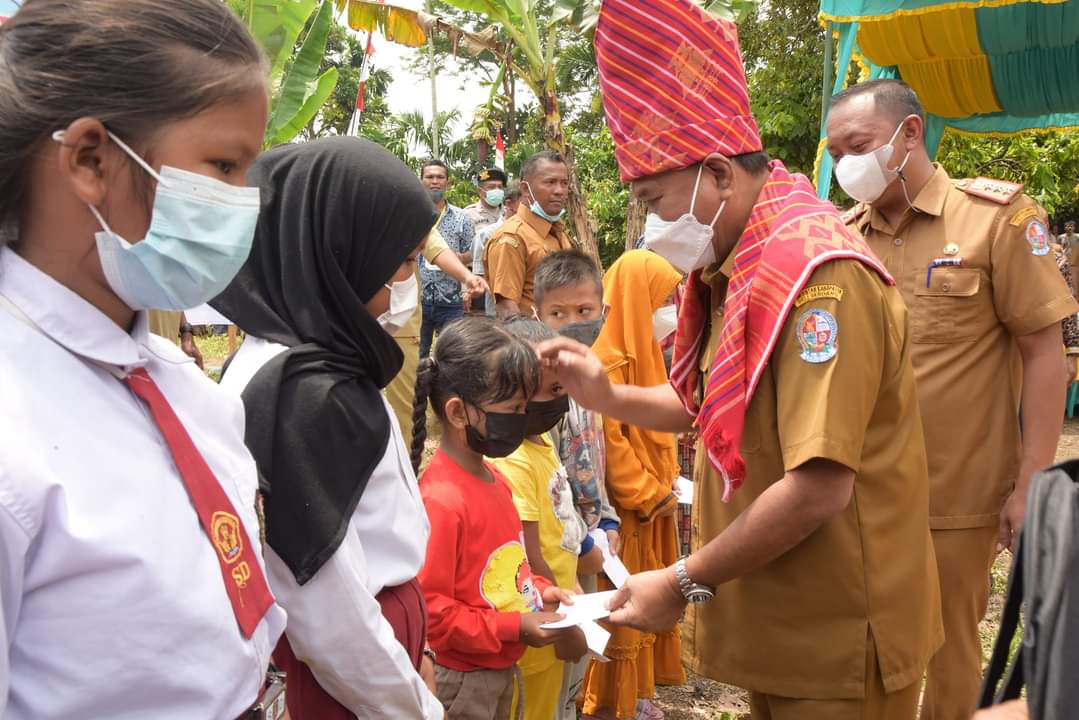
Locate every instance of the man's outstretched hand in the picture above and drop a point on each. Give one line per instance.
(649, 601)
(580, 372)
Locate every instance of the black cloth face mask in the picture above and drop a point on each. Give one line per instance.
(585, 333)
(505, 433)
(542, 416)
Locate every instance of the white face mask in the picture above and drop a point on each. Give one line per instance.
(664, 322)
(686, 242)
(866, 177)
(403, 303)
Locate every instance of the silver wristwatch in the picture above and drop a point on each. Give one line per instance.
(693, 592)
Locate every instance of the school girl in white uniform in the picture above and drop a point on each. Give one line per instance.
(330, 278)
(131, 578)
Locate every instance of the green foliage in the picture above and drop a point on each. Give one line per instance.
(277, 25)
(303, 89)
(783, 50)
(298, 87)
(462, 190)
(605, 194)
(1046, 163)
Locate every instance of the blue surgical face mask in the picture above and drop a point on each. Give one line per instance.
(495, 197)
(200, 235)
(537, 209)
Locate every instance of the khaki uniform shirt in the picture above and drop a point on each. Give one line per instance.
(964, 321)
(515, 250)
(798, 626)
(166, 323)
(434, 247)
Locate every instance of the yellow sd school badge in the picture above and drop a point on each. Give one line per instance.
(225, 533)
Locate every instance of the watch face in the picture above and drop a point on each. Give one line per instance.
(699, 596)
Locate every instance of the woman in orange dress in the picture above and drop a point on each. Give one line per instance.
(641, 470)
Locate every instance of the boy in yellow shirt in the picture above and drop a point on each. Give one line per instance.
(553, 530)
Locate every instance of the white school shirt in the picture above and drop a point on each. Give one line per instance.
(335, 625)
(112, 603)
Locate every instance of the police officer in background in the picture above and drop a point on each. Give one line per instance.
(973, 261)
(487, 210)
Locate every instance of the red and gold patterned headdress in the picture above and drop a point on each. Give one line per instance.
(674, 88)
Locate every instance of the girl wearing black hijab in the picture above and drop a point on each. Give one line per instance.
(330, 277)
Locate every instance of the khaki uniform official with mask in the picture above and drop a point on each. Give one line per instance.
(812, 578)
(973, 261)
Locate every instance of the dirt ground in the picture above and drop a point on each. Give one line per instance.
(703, 699)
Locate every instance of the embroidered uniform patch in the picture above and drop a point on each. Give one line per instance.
(818, 292)
(1038, 237)
(1024, 214)
(817, 333)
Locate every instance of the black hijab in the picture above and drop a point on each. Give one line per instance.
(338, 218)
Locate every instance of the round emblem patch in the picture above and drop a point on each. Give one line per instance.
(1038, 237)
(817, 332)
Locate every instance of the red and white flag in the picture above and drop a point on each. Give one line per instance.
(365, 73)
(500, 152)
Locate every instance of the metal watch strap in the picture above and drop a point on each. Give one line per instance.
(693, 592)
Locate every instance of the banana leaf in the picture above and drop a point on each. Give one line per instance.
(302, 82)
(277, 25)
(314, 102)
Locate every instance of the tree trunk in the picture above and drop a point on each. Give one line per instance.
(432, 70)
(579, 218)
(483, 152)
(635, 215)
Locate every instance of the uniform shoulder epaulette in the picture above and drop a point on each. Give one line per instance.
(1001, 192)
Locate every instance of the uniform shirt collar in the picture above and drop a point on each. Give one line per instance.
(534, 221)
(929, 201)
(67, 319)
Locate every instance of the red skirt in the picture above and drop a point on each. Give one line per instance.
(403, 606)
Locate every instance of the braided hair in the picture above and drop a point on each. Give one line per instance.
(477, 360)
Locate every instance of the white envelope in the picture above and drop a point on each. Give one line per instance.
(612, 565)
(590, 606)
(683, 488)
(597, 638)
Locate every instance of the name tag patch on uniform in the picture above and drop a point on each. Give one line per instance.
(1001, 192)
(1038, 237)
(818, 292)
(817, 333)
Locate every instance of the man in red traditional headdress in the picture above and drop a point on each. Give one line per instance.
(813, 582)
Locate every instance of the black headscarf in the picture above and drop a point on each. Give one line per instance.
(338, 218)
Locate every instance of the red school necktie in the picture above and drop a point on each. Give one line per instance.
(240, 569)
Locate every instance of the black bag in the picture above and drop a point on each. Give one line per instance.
(1044, 580)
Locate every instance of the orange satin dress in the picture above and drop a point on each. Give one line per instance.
(641, 469)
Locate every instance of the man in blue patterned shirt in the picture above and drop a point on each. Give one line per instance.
(440, 294)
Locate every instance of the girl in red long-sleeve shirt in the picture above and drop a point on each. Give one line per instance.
(485, 605)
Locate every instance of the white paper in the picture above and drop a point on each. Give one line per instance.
(590, 606)
(612, 565)
(597, 638)
(683, 488)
